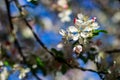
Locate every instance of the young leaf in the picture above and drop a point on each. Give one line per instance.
(96, 32)
(6, 63)
(39, 62)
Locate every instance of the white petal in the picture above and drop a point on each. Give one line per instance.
(68, 12)
(65, 19)
(60, 46)
(75, 37)
(88, 29)
(85, 34)
(62, 32)
(95, 25)
(61, 2)
(72, 29)
(61, 14)
(1, 63)
(80, 16)
(78, 22)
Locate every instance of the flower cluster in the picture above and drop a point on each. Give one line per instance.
(82, 30)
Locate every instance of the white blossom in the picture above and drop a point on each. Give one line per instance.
(23, 73)
(4, 74)
(62, 3)
(60, 46)
(34, 66)
(83, 28)
(65, 15)
(1, 63)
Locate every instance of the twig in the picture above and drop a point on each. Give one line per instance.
(113, 51)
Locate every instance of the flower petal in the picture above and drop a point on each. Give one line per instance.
(80, 16)
(62, 32)
(85, 34)
(72, 29)
(95, 25)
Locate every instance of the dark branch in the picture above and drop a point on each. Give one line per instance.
(52, 54)
(113, 51)
(16, 40)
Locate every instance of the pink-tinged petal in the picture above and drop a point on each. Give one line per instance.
(94, 18)
(65, 6)
(77, 49)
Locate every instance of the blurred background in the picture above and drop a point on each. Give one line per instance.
(46, 18)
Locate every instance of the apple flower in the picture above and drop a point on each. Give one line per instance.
(82, 29)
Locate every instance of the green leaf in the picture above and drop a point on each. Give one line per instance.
(41, 65)
(96, 32)
(39, 62)
(6, 63)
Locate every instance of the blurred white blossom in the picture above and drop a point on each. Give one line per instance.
(62, 3)
(23, 72)
(4, 74)
(116, 17)
(60, 46)
(1, 63)
(65, 15)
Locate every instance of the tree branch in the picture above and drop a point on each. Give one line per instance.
(64, 62)
(16, 40)
(113, 51)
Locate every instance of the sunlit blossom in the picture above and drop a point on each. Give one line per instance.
(83, 27)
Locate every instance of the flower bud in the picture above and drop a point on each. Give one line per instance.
(77, 49)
